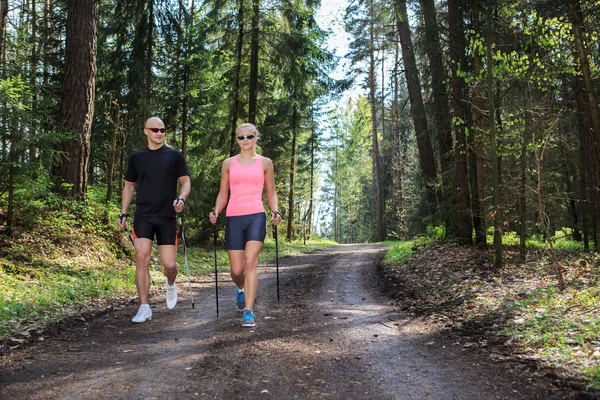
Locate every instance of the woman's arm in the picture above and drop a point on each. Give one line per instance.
(271, 192)
(223, 195)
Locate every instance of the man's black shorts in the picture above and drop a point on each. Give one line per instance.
(165, 229)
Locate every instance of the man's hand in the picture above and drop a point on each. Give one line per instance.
(178, 204)
(122, 220)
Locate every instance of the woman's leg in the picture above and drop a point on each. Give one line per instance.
(251, 253)
(237, 264)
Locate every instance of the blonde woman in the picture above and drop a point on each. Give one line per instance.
(243, 179)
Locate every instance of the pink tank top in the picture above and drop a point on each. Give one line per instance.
(246, 184)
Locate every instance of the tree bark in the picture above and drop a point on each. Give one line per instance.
(149, 53)
(497, 213)
(441, 111)
(290, 221)
(425, 148)
(77, 103)
(235, 104)
(3, 25)
(378, 204)
(396, 164)
(112, 153)
(591, 137)
(478, 181)
(465, 227)
(253, 99)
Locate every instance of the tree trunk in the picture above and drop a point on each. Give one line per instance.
(591, 137)
(235, 104)
(478, 185)
(396, 164)
(290, 221)
(77, 104)
(583, 196)
(425, 148)
(33, 65)
(184, 106)
(441, 112)
(497, 213)
(465, 227)
(313, 144)
(112, 153)
(149, 53)
(523, 173)
(253, 99)
(3, 25)
(12, 156)
(378, 204)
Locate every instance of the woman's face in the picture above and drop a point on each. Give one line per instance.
(246, 138)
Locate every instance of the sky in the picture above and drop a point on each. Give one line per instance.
(330, 17)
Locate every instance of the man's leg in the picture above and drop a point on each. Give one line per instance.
(168, 258)
(143, 251)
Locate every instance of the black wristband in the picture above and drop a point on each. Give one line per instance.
(121, 216)
(181, 198)
(278, 213)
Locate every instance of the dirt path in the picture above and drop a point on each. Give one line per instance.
(334, 335)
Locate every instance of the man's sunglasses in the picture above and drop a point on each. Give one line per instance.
(162, 130)
(249, 137)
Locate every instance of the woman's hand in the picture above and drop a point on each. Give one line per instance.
(275, 217)
(213, 216)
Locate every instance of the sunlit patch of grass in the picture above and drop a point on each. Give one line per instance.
(401, 252)
(52, 294)
(563, 327)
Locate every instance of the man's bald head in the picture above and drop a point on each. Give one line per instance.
(154, 122)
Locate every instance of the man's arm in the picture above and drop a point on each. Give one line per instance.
(126, 198)
(184, 191)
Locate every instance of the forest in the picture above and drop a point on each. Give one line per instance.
(477, 119)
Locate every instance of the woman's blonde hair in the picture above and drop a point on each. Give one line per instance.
(249, 126)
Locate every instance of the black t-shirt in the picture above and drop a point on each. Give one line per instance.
(156, 173)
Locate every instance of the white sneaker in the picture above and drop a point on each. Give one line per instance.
(171, 295)
(143, 314)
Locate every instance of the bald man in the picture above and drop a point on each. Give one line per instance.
(156, 171)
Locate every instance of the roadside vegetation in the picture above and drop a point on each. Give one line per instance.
(68, 263)
(513, 313)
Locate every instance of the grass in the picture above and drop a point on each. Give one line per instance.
(401, 252)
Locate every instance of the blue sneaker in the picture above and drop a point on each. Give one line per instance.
(239, 298)
(249, 318)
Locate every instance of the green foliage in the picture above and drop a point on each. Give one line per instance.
(563, 324)
(400, 252)
(559, 242)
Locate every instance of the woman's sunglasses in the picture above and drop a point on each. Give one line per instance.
(249, 137)
(162, 130)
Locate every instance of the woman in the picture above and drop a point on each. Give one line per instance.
(243, 178)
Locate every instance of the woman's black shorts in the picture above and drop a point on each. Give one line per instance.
(243, 228)
(165, 229)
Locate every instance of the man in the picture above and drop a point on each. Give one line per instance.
(155, 170)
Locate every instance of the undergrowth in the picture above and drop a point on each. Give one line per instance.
(518, 307)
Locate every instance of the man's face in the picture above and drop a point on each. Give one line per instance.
(155, 130)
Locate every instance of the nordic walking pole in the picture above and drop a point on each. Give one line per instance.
(187, 269)
(276, 259)
(216, 274)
